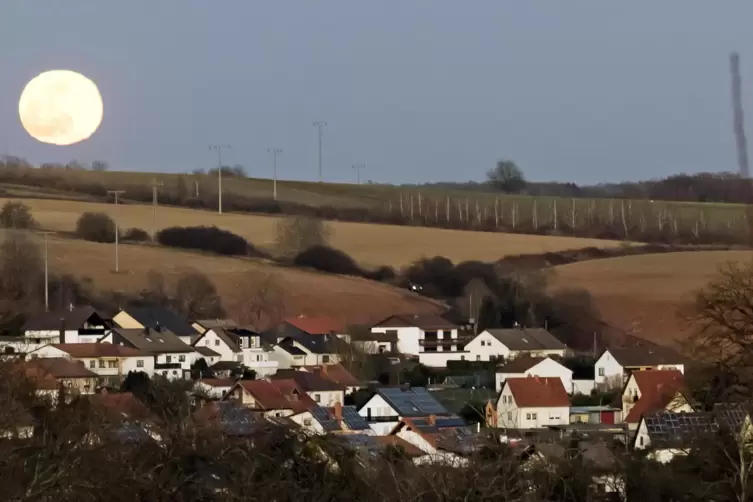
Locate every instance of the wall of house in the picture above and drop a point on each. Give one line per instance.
(383, 428)
(50, 351)
(51, 336)
(140, 363)
(507, 410)
(259, 360)
(546, 368)
(211, 390)
(307, 421)
(373, 347)
(501, 378)
(607, 369)
(407, 338)
(583, 386)
(439, 359)
(484, 347)
(630, 395)
(417, 440)
(214, 342)
(377, 407)
(537, 353)
(512, 416)
(327, 398)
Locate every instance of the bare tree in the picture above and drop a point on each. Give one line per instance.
(259, 299)
(21, 276)
(299, 233)
(196, 296)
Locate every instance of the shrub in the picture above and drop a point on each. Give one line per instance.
(97, 227)
(210, 239)
(329, 260)
(136, 235)
(299, 233)
(16, 215)
(382, 274)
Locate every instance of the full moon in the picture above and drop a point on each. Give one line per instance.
(60, 107)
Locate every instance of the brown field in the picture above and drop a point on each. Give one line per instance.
(649, 295)
(371, 244)
(311, 293)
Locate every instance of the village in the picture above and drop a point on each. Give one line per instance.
(295, 374)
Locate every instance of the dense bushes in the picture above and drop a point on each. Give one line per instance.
(136, 235)
(212, 239)
(16, 215)
(97, 227)
(327, 259)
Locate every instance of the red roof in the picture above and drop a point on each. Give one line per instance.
(336, 373)
(317, 325)
(658, 389)
(217, 382)
(538, 392)
(94, 350)
(278, 395)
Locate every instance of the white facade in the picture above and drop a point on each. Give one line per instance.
(213, 341)
(184, 359)
(382, 417)
(546, 368)
(374, 346)
(439, 359)
(308, 423)
(433, 456)
(583, 386)
(485, 347)
(286, 360)
(103, 366)
(610, 373)
(411, 340)
(212, 389)
(327, 398)
(510, 415)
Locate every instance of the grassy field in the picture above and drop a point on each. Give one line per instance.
(353, 299)
(371, 244)
(650, 295)
(444, 207)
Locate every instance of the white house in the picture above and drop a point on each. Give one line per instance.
(384, 410)
(156, 319)
(444, 440)
(532, 403)
(515, 342)
(239, 345)
(534, 366)
(320, 389)
(614, 366)
(431, 338)
(215, 388)
(112, 362)
(172, 357)
(337, 419)
(71, 325)
(653, 390)
(304, 350)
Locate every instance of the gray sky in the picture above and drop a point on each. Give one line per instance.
(419, 90)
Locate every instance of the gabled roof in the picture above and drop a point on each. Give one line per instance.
(228, 339)
(288, 346)
(349, 419)
(658, 389)
(408, 449)
(154, 317)
(316, 344)
(520, 364)
(335, 372)
(278, 395)
(60, 367)
(216, 323)
(453, 435)
(70, 319)
(527, 339)
(96, 350)
(423, 321)
(205, 351)
(151, 340)
(317, 325)
(411, 401)
(668, 429)
(120, 406)
(309, 382)
(217, 382)
(538, 392)
(645, 356)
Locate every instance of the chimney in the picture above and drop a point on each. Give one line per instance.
(338, 411)
(432, 420)
(324, 369)
(158, 327)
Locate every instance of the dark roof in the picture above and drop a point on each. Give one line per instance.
(216, 323)
(447, 433)
(51, 321)
(527, 339)
(309, 382)
(96, 350)
(519, 364)
(227, 337)
(290, 348)
(669, 429)
(205, 351)
(231, 418)
(732, 416)
(59, 367)
(153, 317)
(159, 342)
(412, 401)
(423, 321)
(327, 417)
(335, 372)
(226, 365)
(658, 389)
(645, 356)
(316, 344)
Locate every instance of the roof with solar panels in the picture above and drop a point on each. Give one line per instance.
(349, 419)
(443, 433)
(412, 401)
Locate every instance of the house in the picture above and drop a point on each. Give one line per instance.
(615, 365)
(271, 398)
(337, 419)
(172, 357)
(336, 373)
(71, 325)
(203, 325)
(533, 402)
(126, 418)
(110, 362)
(431, 338)
(321, 389)
(70, 376)
(594, 415)
(227, 369)
(229, 418)
(157, 319)
(389, 405)
(215, 388)
(208, 355)
(515, 342)
(241, 345)
(524, 366)
(444, 440)
(653, 390)
(304, 350)
(374, 343)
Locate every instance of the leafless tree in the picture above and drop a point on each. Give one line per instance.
(298, 233)
(258, 299)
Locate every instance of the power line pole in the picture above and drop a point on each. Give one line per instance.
(219, 149)
(320, 125)
(117, 230)
(46, 275)
(738, 115)
(358, 168)
(155, 186)
(275, 152)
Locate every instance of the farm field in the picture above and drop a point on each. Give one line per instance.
(649, 296)
(303, 292)
(371, 244)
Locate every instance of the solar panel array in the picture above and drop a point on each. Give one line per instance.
(452, 421)
(323, 416)
(668, 427)
(364, 444)
(415, 401)
(130, 432)
(731, 415)
(235, 420)
(353, 420)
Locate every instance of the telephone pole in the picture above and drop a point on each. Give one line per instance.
(46, 275)
(218, 149)
(275, 152)
(117, 230)
(155, 186)
(358, 168)
(320, 125)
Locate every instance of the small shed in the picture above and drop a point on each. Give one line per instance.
(594, 415)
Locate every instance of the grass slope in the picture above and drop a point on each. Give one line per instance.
(354, 299)
(649, 295)
(371, 244)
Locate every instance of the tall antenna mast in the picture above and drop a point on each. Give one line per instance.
(738, 115)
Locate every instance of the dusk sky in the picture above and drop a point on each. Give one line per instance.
(427, 90)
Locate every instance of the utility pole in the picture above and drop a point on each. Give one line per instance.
(275, 152)
(358, 168)
(738, 115)
(46, 275)
(320, 125)
(117, 229)
(155, 186)
(219, 149)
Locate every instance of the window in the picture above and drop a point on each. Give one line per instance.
(504, 399)
(181, 359)
(140, 363)
(462, 358)
(533, 416)
(92, 364)
(307, 422)
(206, 342)
(239, 358)
(101, 364)
(478, 358)
(112, 364)
(175, 372)
(169, 359)
(640, 440)
(528, 416)
(601, 371)
(509, 415)
(317, 398)
(325, 359)
(216, 343)
(258, 357)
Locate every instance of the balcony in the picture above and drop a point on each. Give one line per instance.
(431, 342)
(91, 331)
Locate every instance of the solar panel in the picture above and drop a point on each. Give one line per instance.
(353, 420)
(450, 422)
(364, 443)
(323, 417)
(413, 401)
